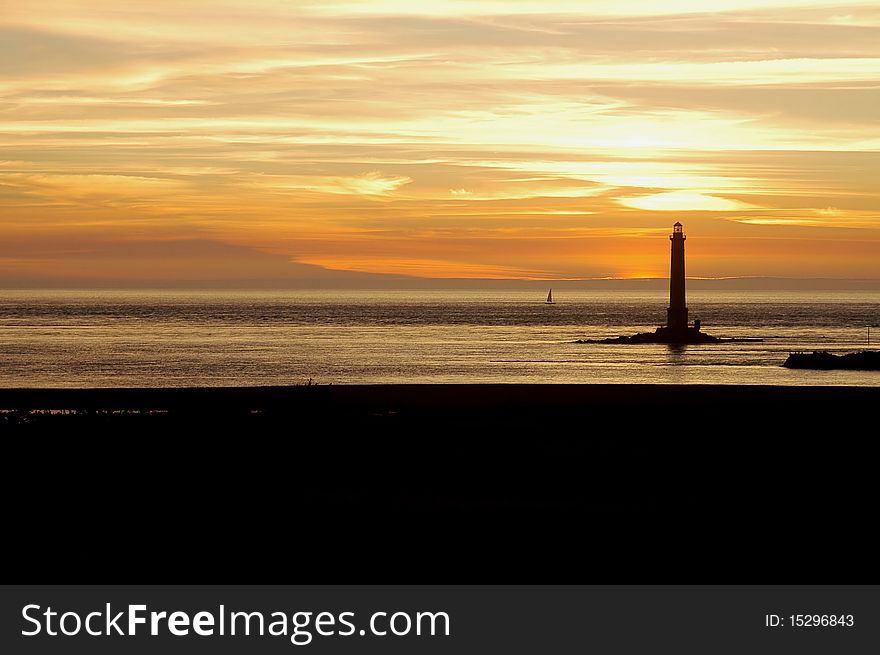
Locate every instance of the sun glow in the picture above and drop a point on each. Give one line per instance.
(684, 201)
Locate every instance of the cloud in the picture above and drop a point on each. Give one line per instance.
(684, 201)
(428, 268)
(93, 188)
(539, 7)
(366, 184)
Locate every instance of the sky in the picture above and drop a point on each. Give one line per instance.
(363, 142)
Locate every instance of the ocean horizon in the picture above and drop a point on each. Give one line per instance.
(184, 338)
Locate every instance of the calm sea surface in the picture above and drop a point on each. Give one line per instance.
(192, 338)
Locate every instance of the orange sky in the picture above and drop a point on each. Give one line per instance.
(260, 140)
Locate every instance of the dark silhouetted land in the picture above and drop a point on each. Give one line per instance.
(465, 482)
(868, 360)
(664, 335)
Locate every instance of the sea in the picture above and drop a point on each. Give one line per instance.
(161, 338)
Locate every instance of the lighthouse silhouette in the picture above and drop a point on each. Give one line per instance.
(676, 331)
(677, 313)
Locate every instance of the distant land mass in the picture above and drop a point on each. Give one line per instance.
(210, 264)
(378, 281)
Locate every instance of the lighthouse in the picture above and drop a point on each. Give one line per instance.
(677, 313)
(676, 331)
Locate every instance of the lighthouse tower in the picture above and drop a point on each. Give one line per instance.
(676, 331)
(677, 313)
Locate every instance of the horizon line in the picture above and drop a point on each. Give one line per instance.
(407, 282)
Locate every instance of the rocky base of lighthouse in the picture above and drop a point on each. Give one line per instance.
(662, 335)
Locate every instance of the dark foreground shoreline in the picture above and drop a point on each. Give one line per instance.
(428, 397)
(467, 483)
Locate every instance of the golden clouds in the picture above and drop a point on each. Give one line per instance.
(93, 188)
(684, 201)
(372, 183)
(461, 139)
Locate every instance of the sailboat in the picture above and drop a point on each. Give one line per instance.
(550, 298)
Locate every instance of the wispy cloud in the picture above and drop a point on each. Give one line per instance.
(684, 201)
(372, 183)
